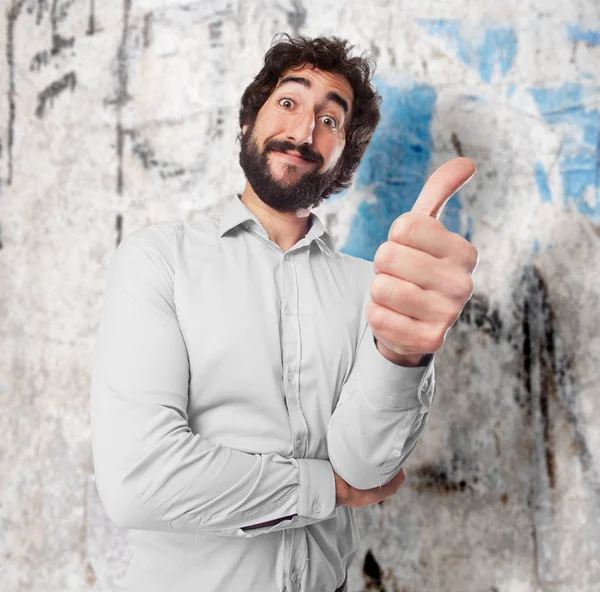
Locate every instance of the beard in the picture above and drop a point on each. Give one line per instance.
(292, 192)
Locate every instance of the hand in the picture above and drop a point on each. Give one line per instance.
(346, 495)
(424, 272)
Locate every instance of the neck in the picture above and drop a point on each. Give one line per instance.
(284, 228)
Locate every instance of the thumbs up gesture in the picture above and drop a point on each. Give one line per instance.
(424, 273)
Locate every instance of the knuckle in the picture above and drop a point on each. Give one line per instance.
(432, 341)
(450, 315)
(402, 227)
(461, 285)
(468, 287)
(376, 316)
(384, 255)
(379, 287)
(469, 254)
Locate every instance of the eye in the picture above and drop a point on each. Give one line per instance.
(286, 103)
(329, 121)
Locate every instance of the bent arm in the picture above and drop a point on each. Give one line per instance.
(152, 471)
(380, 414)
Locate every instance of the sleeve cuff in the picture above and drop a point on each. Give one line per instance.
(317, 488)
(389, 385)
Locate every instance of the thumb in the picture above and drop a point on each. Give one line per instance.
(443, 183)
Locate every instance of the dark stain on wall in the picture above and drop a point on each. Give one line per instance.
(143, 150)
(215, 32)
(440, 478)
(297, 18)
(91, 30)
(42, 58)
(48, 95)
(478, 313)
(119, 228)
(372, 573)
(11, 20)
(457, 144)
(547, 374)
(122, 92)
(147, 30)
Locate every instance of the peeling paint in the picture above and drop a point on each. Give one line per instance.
(577, 33)
(488, 48)
(569, 109)
(395, 165)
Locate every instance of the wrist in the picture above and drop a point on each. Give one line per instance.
(409, 360)
(342, 490)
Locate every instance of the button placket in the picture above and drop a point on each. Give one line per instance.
(291, 353)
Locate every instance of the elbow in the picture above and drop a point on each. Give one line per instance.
(119, 505)
(358, 471)
(361, 475)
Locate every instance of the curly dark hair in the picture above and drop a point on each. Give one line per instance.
(330, 54)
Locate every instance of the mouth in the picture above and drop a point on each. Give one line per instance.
(293, 157)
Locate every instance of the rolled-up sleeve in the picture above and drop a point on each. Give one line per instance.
(152, 472)
(381, 411)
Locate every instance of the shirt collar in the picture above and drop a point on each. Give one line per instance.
(236, 213)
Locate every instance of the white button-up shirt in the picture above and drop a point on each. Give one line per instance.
(230, 380)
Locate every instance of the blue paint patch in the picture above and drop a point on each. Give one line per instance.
(395, 165)
(493, 51)
(577, 33)
(541, 178)
(579, 161)
(536, 247)
(451, 215)
(469, 229)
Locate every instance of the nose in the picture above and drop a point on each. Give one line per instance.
(301, 128)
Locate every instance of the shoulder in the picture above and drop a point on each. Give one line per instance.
(167, 239)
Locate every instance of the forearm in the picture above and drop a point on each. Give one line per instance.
(158, 475)
(378, 418)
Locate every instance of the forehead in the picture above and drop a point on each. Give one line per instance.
(323, 81)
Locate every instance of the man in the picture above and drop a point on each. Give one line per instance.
(252, 385)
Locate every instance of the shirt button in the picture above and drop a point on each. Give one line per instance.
(298, 443)
(425, 383)
(294, 577)
(317, 507)
(288, 310)
(246, 225)
(290, 375)
(287, 256)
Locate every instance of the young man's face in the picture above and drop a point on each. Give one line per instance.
(290, 153)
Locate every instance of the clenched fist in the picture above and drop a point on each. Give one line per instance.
(424, 273)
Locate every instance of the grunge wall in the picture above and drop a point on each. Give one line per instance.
(118, 114)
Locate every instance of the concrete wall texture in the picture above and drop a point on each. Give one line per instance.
(119, 114)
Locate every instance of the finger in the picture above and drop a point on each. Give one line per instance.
(412, 301)
(389, 327)
(392, 486)
(399, 478)
(426, 234)
(418, 268)
(443, 183)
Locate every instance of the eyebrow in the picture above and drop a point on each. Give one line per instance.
(331, 95)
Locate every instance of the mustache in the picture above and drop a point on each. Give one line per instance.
(285, 146)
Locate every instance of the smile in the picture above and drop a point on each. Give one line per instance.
(292, 158)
